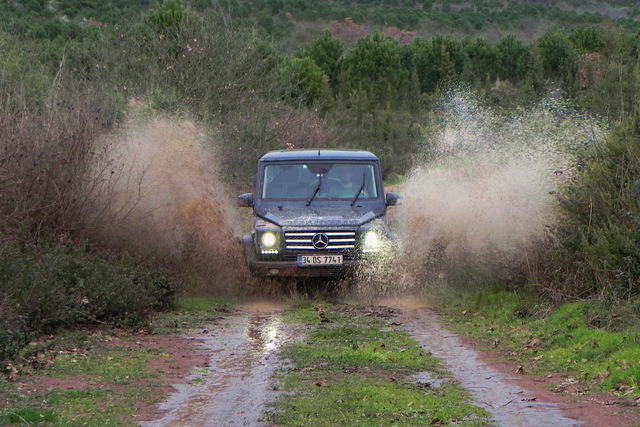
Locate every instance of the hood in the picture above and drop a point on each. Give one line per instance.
(302, 216)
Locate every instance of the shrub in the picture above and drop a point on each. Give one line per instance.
(600, 232)
(12, 342)
(59, 284)
(168, 16)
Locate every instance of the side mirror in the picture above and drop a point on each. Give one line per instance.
(393, 199)
(245, 200)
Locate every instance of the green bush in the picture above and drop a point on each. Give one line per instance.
(58, 284)
(12, 342)
(600, 231)
(55, 285)
(168, 16)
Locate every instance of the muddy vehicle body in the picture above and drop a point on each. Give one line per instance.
(317, 213)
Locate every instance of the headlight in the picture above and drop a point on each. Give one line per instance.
(269, 242)
(371, 241)
(268, 239)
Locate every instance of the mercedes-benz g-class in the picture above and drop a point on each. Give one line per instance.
(316, 213)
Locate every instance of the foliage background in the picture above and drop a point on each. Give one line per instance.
(259, 75)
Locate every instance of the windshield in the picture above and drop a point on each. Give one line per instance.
(315, 181)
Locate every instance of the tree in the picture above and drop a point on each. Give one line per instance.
(484, 60)
(168, 16)
(534, 78)
(436, 60)
(375, 65)
(558, 54)
(326, 52)
(514, 57)
(588, 38)
(303, 78)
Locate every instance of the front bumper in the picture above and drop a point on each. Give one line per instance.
(290, 267)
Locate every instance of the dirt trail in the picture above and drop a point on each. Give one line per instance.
(244, 348)
(500, 395)
(237, 384)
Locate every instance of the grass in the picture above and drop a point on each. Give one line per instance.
(199, 305)
(109, 380)
(27, 416)
(354, 369)
(570, 339)
(191, 313)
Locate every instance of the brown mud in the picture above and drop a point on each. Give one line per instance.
(158, 194)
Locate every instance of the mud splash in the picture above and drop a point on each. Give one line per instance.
(234, 389)
(486, 196)
(158, 195)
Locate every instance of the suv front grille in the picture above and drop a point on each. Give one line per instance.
(303, 240)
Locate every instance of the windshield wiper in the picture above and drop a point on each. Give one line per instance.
(315, 191)
(353, 202)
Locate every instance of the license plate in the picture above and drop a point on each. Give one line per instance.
(304, 260)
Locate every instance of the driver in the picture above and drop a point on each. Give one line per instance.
(346, 187)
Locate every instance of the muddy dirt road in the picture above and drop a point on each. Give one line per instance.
(235, 387)
(508, 403)
(512, 399)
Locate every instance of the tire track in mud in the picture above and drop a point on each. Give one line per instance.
(244, 347)
(508, 404)
(238, 383)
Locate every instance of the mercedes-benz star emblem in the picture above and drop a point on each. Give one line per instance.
(320, 241)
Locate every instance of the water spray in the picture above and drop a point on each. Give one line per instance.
(488, 192)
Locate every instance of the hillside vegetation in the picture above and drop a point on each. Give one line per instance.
(291, 19)
(251, 77)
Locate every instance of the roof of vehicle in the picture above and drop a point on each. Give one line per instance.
(318, 154)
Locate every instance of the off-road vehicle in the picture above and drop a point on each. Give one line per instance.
(316, 213)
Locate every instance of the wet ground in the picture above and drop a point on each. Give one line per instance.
(236, 386)
(508, 403)
(233, 390)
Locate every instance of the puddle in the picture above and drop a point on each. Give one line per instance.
(425, 379)
(234, 389)
(508, 404)
(265, 333)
